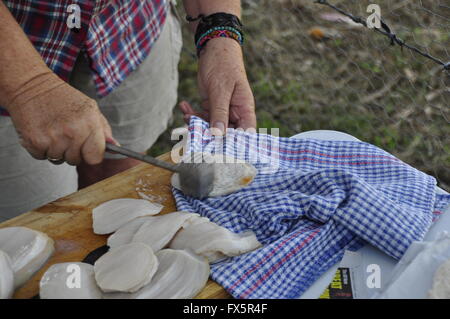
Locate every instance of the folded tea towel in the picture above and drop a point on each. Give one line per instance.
(310, 201)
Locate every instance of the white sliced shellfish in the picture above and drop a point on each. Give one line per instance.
(213, 241)
(28, 250)
(6, 276)
(181, 275)
(71, 280)
(230, 175)
(158, 231)
(124, 235)
(111, 215)
(125, 268)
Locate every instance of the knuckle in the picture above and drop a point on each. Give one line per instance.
(220, 83)
(219, 110)
(88, 104)
(71, 131)
(93, 123)
(37, 142)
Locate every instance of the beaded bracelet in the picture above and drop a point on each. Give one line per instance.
(216, 32)
(219, 32)
(216, 25)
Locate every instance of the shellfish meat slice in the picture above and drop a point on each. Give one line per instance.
(125, 268)
(124, 235)
(181, 275)
(111, 215)
(230, 175)
(27, 249)
(6, 276)
(213, 241)
(71, 280)
(158, 231)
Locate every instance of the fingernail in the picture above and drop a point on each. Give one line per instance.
(113, 141)
(219, 126)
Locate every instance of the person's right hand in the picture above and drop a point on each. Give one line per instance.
(56, 121)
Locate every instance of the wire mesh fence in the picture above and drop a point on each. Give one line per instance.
(312, 67)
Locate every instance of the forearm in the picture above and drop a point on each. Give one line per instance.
(196, 7)
(20, 63)
(223, 85)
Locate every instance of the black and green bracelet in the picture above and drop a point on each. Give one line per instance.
(217, 25)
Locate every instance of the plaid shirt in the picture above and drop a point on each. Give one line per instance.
(116, 34)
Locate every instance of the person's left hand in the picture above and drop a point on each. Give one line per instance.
(227, 99)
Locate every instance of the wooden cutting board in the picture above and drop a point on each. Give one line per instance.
(68, 220)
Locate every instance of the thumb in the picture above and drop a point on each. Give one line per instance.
(219, 100)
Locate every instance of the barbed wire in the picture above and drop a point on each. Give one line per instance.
(386, 30)
(313, 68)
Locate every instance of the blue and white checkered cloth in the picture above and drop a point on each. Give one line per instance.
(312, 202)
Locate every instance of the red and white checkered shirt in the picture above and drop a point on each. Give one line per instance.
(116, 34)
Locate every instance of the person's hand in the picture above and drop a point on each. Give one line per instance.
(56, 121)
(227, 99)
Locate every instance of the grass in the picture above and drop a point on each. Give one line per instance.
(352, 81)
